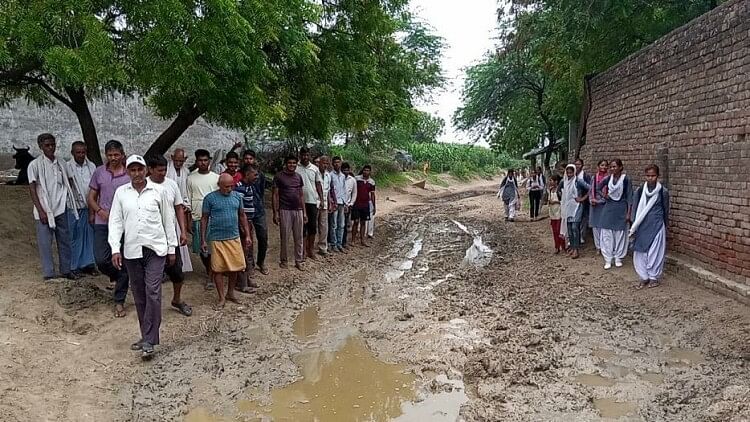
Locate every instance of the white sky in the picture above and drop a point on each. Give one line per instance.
(467, 27)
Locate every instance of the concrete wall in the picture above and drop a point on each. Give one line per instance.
(684, 103)
(124, 119)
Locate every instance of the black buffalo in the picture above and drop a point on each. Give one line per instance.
(23, 158)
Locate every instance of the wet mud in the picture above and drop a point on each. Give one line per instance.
(454, 314)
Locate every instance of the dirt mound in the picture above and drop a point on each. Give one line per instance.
(17, 227)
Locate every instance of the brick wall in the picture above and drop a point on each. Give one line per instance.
(684, 103)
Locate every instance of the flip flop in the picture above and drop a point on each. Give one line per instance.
(654, 284)
(641, 285)
(183, 308)
(120, 313)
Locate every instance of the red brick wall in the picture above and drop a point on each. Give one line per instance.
(684, 103)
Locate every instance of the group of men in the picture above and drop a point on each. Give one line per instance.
(128, 219)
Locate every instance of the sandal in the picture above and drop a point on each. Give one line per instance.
(138, 345)
(264, 270)
(641, 285)
(120, 311)
(654, 283)
(247, 290)
(183, 308)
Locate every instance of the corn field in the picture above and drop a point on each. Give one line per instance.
(459, 160)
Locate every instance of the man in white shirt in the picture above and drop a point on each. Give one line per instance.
(349, 198)
(177, 171)
(313, 194)
(327, 205)
(142, 226)
(200, 183)
(49, 184)
(157, 169)
(338, 215)
(81, 229)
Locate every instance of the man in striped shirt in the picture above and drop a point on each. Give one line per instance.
(246, 188)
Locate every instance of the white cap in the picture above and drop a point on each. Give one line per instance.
(135, 159)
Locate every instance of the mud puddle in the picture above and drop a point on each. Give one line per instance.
(612, 409)
(307, 323)
(346, 385)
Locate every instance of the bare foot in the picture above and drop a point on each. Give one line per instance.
(220, 305)
(233, 299)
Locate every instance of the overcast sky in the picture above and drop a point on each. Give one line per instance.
(468, 29)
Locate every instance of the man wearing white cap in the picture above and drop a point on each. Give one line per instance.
(142, 226)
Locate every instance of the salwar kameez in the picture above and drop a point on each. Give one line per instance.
(509, 194)
(649, 233)
(613, 221)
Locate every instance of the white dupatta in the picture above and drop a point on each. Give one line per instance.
(645, 203)
(568, 203)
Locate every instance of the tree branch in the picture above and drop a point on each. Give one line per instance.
(50, 90)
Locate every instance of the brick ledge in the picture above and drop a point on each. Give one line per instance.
(703, 277)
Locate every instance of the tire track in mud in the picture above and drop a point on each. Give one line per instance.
(230, 351)
(518, 332)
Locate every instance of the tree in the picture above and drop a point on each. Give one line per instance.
(506, 100)
(59, 50)
(527, 90)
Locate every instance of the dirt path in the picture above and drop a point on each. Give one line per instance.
(528, 336)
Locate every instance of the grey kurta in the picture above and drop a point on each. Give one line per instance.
(582, 189)
(595, 211)
(657, 217)
(615, 213)
(509, 190)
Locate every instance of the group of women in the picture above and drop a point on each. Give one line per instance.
(619, 215)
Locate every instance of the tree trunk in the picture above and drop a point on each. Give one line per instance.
(80, 107)
(188, 114)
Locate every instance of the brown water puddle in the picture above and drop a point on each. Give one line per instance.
(684, 357)
(593, 380)
(609, 408)
(603, 353)
(653, 378)
(346, 385)
(307, 323)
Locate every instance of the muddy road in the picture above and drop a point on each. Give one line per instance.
(452, 314)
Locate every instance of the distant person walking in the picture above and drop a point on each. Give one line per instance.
(200, 183)
(81, 229)
(49, 185)
(222, 218)
(509, 194)
(362, 210)
(141, 224)
(157, 168)
(104, 182)
(597, 199)
(260, 225)
(289, 211)
(535, 188)
(615, 216)
(649, 229)
(313, 192)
